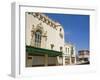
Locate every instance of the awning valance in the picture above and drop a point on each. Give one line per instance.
(40, 51)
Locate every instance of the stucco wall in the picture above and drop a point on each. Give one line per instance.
(52, 34)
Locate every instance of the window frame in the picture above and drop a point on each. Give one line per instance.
(38, 37)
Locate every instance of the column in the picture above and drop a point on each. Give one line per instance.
(70, 60)
(46, 60)
(75, 60)
(63, 60)
(57, 60)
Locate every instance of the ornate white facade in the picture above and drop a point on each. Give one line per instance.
(43, 32)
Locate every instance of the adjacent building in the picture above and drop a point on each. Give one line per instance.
(70, 54)
(83, 57)
(45, 43)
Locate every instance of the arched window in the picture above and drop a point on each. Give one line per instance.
(38, 35)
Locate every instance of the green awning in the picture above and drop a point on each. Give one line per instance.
(40, 51)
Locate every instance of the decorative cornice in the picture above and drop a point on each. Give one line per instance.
(45, 19)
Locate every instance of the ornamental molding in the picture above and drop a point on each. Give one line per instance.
(45, 19)
(40, 28)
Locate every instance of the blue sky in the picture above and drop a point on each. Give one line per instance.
(76, 28)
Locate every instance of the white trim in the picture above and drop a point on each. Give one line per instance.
(15, 41)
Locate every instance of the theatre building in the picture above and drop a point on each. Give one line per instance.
(45, 43)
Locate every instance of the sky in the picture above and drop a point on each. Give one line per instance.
(76, 28)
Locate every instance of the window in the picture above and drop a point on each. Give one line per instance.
(66, 50)
(52, 46)
(38, 35)
(29, 57)
(60, 33)
(61, 49)
(60, 29)
(72, 51)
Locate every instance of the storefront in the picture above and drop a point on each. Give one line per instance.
(41, 57)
